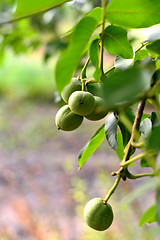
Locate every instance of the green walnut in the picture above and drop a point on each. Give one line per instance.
(98, 214)
(81, 103)
(74, 85)
(99, 111)
(95, 89)
(66, 120)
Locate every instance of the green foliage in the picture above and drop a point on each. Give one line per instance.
(22, 78)
(133, 14)
(120, 148)
(158, 202)
(94, 57)
(71, 57)
(116, 42)
(124, 87)
(29, 7)
(154, 47)
(149, 216)
(91, 146)
(154, 139)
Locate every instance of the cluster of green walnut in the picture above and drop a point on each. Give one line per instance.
(80, 102)
(85, 101)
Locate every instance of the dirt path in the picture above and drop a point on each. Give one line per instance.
(42, 194)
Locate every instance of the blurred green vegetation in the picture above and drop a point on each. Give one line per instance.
(28, 53)
(24, 78)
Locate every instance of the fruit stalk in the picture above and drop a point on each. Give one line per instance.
(113, 188)
(102, 35)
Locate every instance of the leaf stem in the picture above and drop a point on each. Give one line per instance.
(125, 164)
(109, 70)
(29, 15)
(137, 144)
(132, 176)
(83, 72)
(143, 45)
(102, 36)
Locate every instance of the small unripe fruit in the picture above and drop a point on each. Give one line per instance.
(66, 120)
(95, 89)
(98, 214)
(81, 103)
(74, 85)
(99, 111)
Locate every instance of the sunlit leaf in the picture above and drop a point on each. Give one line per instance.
(140, 55)
(30, 7)
(154, 47)
(134, 14)
(116, 42)
(70, 58)
(120, 148)
(149, 216)
(91, 146)
(94, 57)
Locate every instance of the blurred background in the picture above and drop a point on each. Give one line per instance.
(42, 193)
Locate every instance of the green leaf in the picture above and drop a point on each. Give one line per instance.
(154, 139)
(146, 127)
(70, 58)
(145, 115)
(116, 42)
(140, 55)
(144, 163)
(134, 14)
(94, 57)
(122, 88)
(96, 13)
(154, 119)
(158, 203)
(125, 133)
(30, 7)
(91, 146)
(120, 148)
(149, 161)
(111, 130)
(149, 216)
(154, 47)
